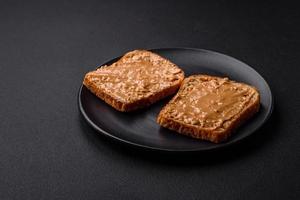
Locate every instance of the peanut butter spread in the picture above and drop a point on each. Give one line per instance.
(209, 103)
(136, 76)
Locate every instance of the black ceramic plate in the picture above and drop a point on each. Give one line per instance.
(140, 128)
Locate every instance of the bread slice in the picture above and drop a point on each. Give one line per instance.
(137, 80)
(209, 108)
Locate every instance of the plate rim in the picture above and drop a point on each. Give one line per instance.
(162, 149)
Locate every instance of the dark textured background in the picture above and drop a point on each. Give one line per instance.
(47, 151)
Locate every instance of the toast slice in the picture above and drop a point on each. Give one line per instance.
(137, 80)
(209, 108)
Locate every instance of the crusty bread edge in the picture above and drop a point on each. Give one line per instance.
(126, 107)
(210, 135)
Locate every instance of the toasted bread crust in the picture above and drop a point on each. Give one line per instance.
(142, 101)
(126, 107)
(218, 135)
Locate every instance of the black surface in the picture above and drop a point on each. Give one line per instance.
(47, 151)
(140, 128)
